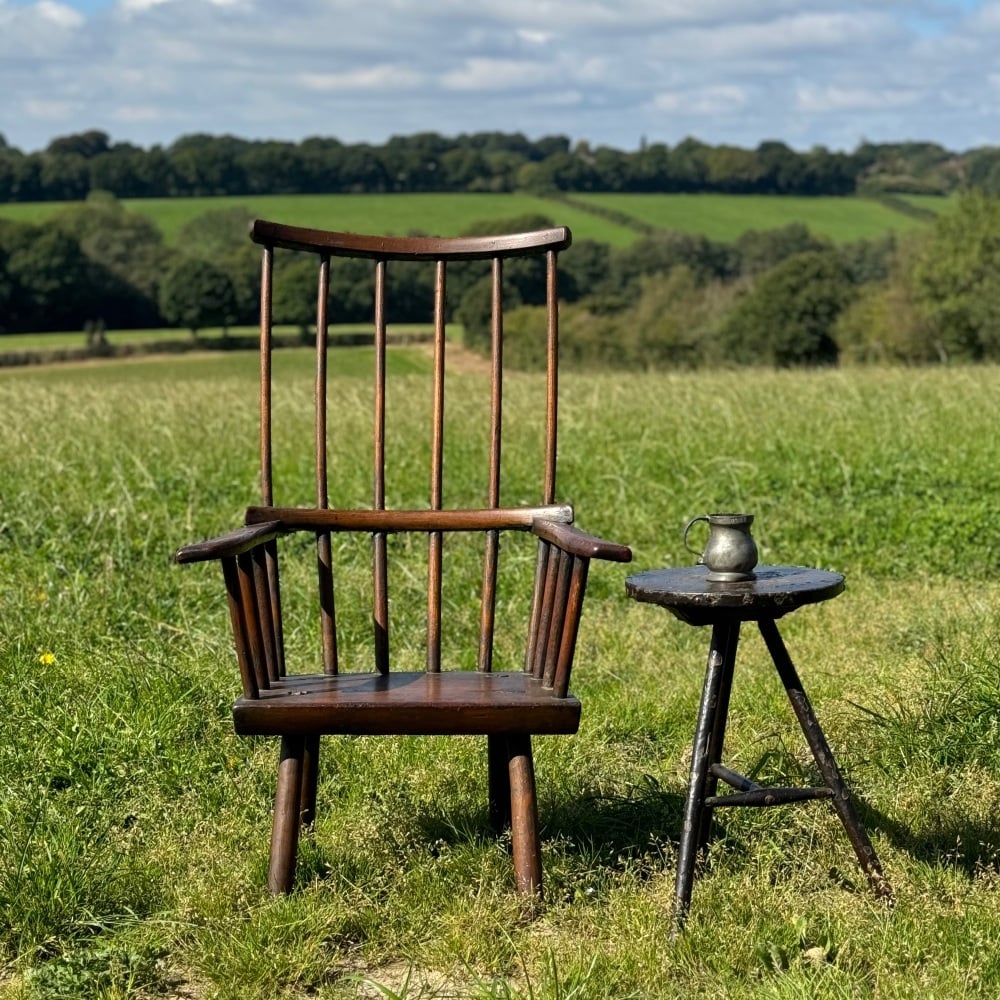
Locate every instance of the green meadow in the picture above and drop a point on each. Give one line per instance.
(719, 217)
(725, 217)
(134, 824)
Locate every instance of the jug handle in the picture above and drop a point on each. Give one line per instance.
(687, 528)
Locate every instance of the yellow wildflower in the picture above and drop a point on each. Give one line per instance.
(47, 658)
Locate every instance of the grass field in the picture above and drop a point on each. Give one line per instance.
(720, 217)
(75, 338)
(726, 217)
(134, 824)
(436, 214)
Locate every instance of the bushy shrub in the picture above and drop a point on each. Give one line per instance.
(787, 317)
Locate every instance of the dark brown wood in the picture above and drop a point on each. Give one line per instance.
(498, 765)
(535, 617)
(843, 800)
(380, 553)
(274, 234)
(251, 619)
(545, 618)
(525, 844)
(263, 594)
(540, 519)
(449, 703)
(324, 547)
(266, 294)
(551, 376)
(506, 706)
(310, 780)
(241, 638)
(578, 543)
(274, 587)
(557, 626)
(434, 541)
(775, 591)
(286, 820)
(571, 626)
(233, 543)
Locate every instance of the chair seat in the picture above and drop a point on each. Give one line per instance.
(454, 703)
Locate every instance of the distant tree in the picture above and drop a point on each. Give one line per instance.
(127, 245)
(760, 250)
(957, 278)
(52, 284)
(295, 294)
(196, 294)
(787, 317)
(584, 270)
(85, 144)
(666, 249)
(215, 233)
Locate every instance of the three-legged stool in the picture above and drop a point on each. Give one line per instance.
(774, 591)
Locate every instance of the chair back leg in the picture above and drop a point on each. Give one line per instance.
(499, 777)
(310, 778)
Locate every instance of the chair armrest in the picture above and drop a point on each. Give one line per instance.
(579, 543)
(231, 544)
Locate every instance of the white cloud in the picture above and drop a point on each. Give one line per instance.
(721, 99)
(49, 110)
(383, 77)
(608, 71)
(834, 98)
(59, 14)
(495, 74)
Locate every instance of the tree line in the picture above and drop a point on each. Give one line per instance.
(780, 297)
(72, 166)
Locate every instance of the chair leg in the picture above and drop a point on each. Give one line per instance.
(286, 822)
(499, 782)
(524, 816)
(310, 777)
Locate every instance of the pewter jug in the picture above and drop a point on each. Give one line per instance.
(730, 552)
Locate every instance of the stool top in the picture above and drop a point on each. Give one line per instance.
(774, 591)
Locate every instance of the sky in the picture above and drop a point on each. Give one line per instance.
(617, 73)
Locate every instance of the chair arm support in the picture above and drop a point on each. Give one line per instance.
(578, 543)
(231, 544)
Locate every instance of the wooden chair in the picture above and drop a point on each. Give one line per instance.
(508, 706)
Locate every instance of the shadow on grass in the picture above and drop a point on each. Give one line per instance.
(963, 845)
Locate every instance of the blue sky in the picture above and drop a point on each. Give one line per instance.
(610, 72)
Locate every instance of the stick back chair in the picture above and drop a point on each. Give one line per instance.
(508, 706)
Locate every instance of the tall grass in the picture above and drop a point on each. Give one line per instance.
(134, 824)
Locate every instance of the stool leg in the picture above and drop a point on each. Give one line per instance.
(710, 729)
(718, 735)
(823, 755)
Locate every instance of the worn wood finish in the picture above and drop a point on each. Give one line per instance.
(775, 591)
(506, 706)
(445, 703)
(540, 520)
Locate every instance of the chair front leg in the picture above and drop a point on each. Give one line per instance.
(287, 818)
(524, 816)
